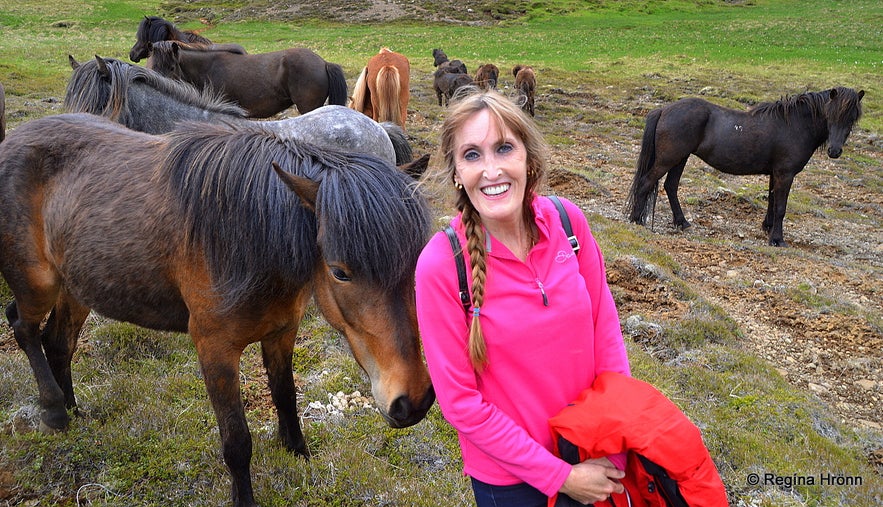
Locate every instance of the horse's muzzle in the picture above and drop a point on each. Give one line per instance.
(403, 413)
(835, 152)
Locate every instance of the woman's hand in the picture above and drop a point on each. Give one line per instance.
(592, 481)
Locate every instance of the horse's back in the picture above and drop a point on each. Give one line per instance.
(78, 188)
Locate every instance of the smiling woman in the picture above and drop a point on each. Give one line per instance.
(530, 308)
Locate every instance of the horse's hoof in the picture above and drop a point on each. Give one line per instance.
(778, 242)
(683, 226)
(51, 424)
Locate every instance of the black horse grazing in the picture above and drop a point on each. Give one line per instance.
(774, 138)
(221, 231)
(154, 29)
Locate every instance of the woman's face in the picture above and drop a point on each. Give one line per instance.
(491, 164)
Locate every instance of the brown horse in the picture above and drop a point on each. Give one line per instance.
(486, 76)
(382, 90)
(446, 85)
(194, 231)
(154, 29)
(525, 86)
(263, 84)
(774, 138)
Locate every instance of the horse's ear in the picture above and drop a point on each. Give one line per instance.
(102, 67)
(305, 188)
(861, 94)
(416, 168)
(73, 62)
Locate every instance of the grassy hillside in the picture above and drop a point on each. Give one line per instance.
(146, 434)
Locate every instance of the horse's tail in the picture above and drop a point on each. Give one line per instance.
(639, 212)
(388, 89)
(361, 94)
(336, 84)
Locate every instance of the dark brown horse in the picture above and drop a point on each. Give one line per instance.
(195, 232)
(486, 76)
(154, 29)
(382, 90)
(263, 84)
(774, 138)
(526, 87)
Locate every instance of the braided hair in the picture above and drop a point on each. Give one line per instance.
(507, 115)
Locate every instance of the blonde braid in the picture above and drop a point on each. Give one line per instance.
(475, 248)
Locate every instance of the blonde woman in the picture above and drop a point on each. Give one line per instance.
(542, 322)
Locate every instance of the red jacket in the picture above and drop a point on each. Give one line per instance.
(622, 414)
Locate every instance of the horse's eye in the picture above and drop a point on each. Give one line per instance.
(340, 274)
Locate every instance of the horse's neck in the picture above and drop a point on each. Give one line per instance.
(155, 112)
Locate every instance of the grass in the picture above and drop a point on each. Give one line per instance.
(146, 434)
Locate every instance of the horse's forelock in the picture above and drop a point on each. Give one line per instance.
(846, 107)
(375, 220)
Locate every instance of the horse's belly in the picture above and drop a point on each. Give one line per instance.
(140, 298)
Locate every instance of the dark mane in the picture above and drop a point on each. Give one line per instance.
(155, 28)
(235, 184)
(848, 105)
(88, 90)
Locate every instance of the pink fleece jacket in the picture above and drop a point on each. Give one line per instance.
(551, 327)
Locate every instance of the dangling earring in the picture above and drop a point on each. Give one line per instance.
(458, 185)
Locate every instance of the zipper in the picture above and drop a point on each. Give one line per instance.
(543, 292)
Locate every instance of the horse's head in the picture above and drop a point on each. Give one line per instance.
(165, 58)
(842, 111)
(140, 49)
(364, 280)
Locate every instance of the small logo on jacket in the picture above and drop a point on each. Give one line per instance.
(563, 255)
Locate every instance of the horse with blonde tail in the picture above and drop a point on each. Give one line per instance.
(382, 89)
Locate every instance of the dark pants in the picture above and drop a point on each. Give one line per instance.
(517, 495)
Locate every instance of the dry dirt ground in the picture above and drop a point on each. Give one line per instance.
(834, 258)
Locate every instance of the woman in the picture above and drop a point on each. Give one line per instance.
(542, 324)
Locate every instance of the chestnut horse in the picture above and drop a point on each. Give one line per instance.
(263, 84)
(382, 90)
(774, 138)
(525, 86)
(154, 29)
(221, 231)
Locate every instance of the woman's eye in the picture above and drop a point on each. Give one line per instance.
(340, 274)
(470, 155)
(505, 148)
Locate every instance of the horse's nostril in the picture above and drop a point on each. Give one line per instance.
(403, 413)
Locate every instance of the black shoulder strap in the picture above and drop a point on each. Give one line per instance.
(565, 222)
(461, 265)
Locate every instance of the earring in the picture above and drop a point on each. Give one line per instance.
(458, 185)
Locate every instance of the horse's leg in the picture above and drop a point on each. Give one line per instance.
(672, 180)
(277, 352)
(781, 187)
(768, 218)
(59, 338)
(219, 363)
(277, 355)
(25, 321)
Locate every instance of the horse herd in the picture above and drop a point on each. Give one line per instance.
(159, 200)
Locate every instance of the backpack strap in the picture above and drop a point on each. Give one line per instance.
(461, 267)
(565, 223)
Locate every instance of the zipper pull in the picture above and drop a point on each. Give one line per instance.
(545, 298)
